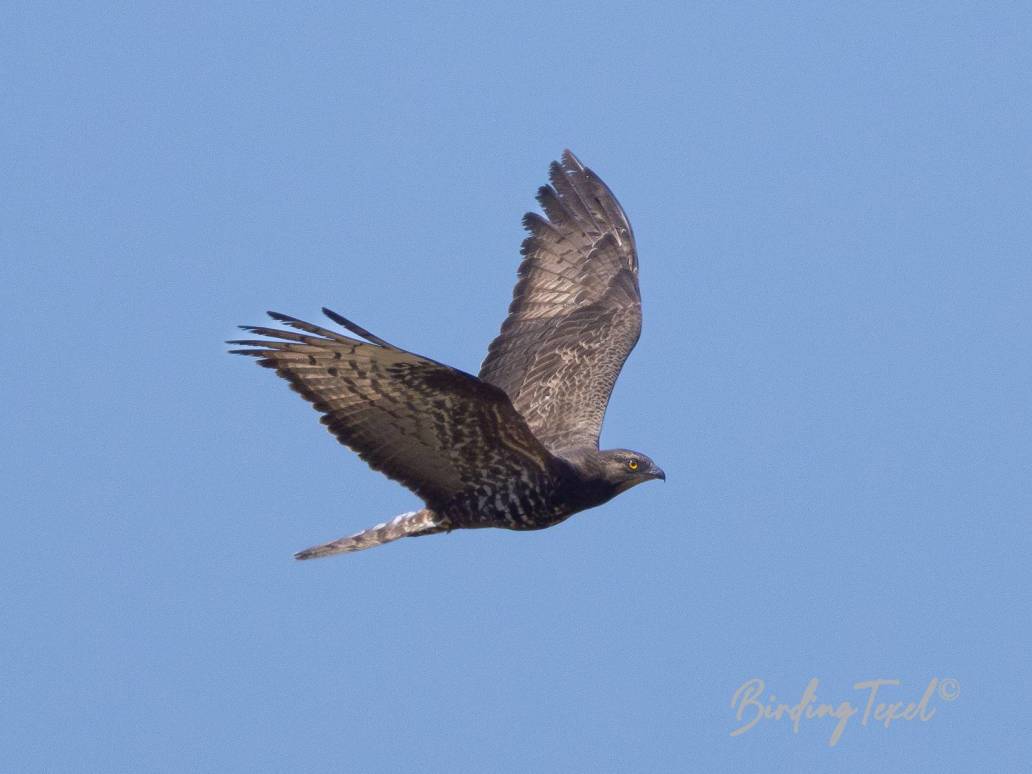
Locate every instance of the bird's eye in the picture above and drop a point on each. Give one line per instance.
(632, 464)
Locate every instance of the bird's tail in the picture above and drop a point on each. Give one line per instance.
(422, 522)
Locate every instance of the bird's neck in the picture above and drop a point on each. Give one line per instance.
(589, 484)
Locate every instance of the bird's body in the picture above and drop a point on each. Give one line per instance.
(516, 447)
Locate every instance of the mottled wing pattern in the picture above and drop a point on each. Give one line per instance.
(576, 310)
(435, 429)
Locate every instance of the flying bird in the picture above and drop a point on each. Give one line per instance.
(517, 446)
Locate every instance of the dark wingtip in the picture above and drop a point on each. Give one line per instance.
(355, 328)
(281, 317)
(570, 161)
(337, 318)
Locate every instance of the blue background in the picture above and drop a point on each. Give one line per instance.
(832, 209)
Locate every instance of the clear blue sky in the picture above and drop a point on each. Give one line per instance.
(832, 205)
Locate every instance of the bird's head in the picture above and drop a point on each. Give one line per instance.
(623, 468)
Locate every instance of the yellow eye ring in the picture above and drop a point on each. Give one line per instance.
(632, 464)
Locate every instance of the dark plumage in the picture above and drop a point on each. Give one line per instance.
(516, 447)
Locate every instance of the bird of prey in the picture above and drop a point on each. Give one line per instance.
(517, 446)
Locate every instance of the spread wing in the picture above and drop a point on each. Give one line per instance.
(575, 313)
(433, 428)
